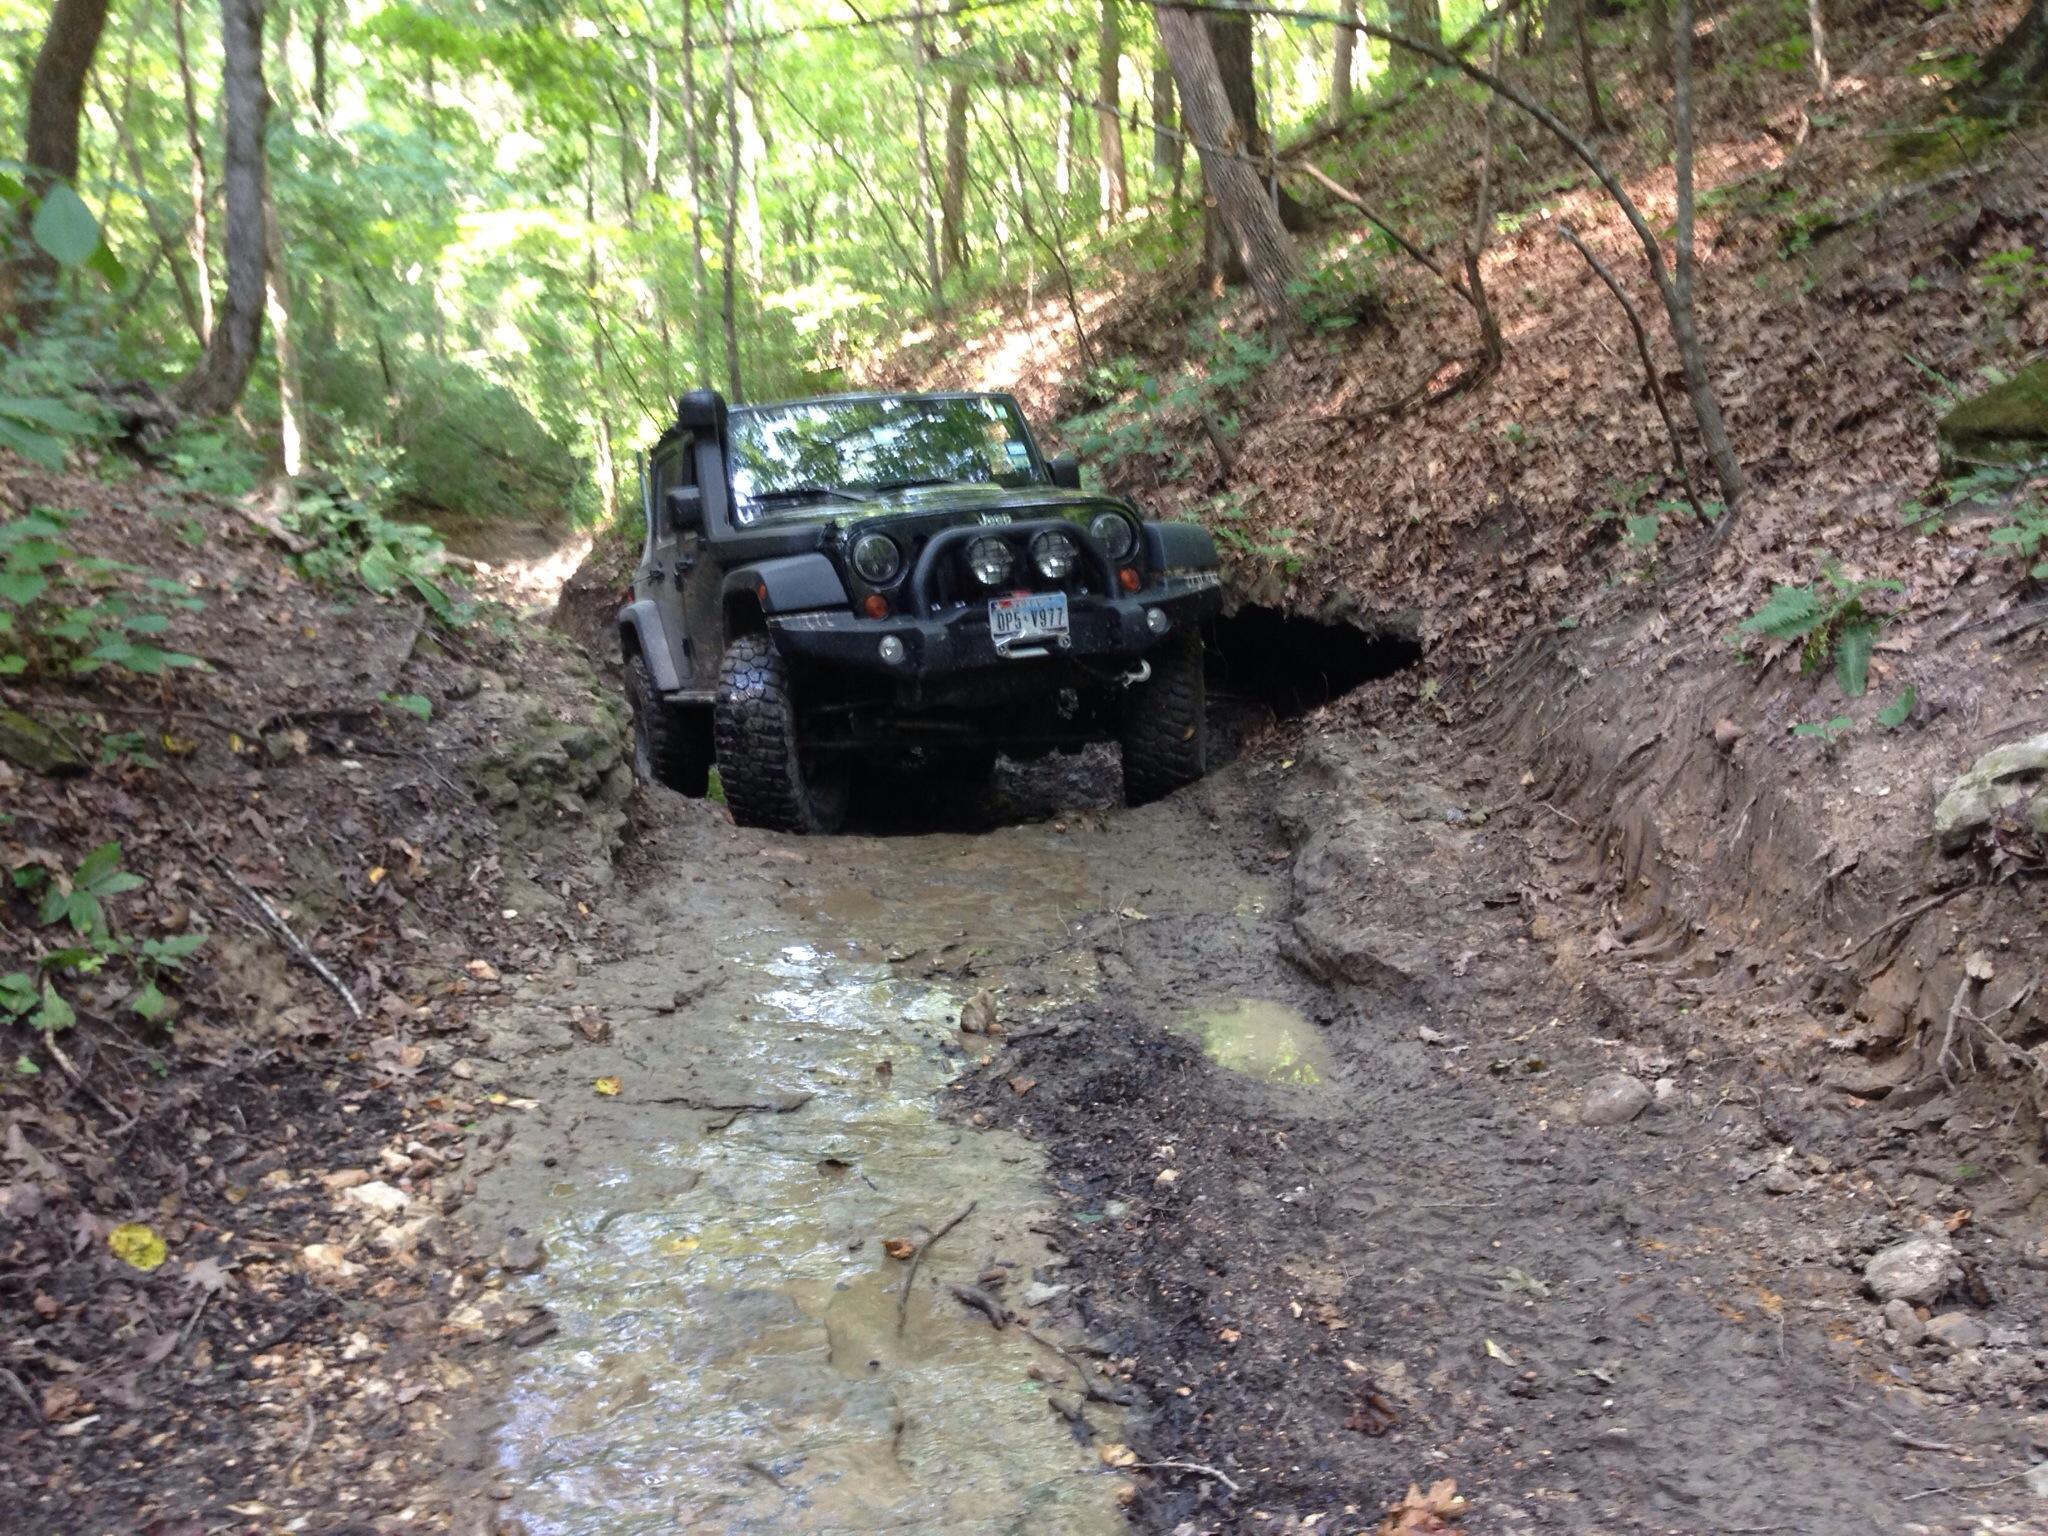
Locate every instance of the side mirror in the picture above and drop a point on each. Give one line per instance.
(701, 410)
(1065, 470)
(685, 509)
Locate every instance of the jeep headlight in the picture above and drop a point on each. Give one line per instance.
(989, 559)
(1054, 554)
(1113, 531)
(876, 559)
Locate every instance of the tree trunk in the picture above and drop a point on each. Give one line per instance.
(1243, 204)
(727, 304)
(928, 188)
(218, 378)
(1418, 19)
(953, 195)
(1066, 130)
(1691, 354)
(1340, 66)
(56, 98)
(1660, 37)
(1113, 188)
(693, 133)
(195, 149)
(2016, 70)
(1167, 145)
(277, 305)
(1582, 37)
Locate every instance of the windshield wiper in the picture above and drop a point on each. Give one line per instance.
(806, 493)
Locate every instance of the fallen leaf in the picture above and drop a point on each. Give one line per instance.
(1426, 1514)
(607, 1086)
(1166, 1176)
(1133, 915)
(1114, 1455)
(898, 1247)
(1022, 1085)
(482, 970)
(1498, 1353)
(137, 1246)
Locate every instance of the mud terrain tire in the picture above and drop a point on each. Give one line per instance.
(669, 748)
(766, 780)
(1166, 726)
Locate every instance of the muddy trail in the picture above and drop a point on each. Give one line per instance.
(1225, 1165)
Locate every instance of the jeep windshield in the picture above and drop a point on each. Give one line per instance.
(788, 459)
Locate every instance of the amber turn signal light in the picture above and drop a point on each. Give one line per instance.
(876, 606)
(1127, 578)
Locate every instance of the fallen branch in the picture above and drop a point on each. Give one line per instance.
(298, 945)
(78, 1081)
(917, 1258)
(1189, 1466)
(1635, 321)
(1379, 221)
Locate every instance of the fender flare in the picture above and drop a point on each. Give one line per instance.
(1179, 547)
(640, 630)
(788, 584)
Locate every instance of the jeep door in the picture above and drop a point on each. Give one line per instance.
(672, 553)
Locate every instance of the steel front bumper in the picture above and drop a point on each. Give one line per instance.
(1099, 629)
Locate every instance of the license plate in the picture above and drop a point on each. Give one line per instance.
(1024, 623)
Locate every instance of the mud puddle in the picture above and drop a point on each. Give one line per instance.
(733, 1350)
(1259, 1038)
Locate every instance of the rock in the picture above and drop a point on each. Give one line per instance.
(35, 746)
(380, 1197)
(2000, 778)
(2037, 1480)
(1956, 1330)
(978, 1014)
(325, 1263)
(1038, 1293)
(394, 1162)
(1917, 1269)
(1779, 1179)
(1614, 1099)
(345, 1178)
(1900, 1317)
(521, 1253)
(2007, 424)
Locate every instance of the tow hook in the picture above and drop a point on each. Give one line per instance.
(1142, 673)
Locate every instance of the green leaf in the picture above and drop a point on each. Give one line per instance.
(1894, 714)
(17, 993)
(412, 703)
(65, 227)
(13, 665)
(22, 587)
(26, 1067)
(148, 624)
(37, 447)
(150, 1004)
(58, 417)
(1790, 613)
(1642, 529)
(55, 1014)
(1852, 658)
(98, 864)
(380, 570)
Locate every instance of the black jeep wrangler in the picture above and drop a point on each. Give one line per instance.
(882, 580)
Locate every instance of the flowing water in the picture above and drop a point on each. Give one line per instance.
(729, 1355)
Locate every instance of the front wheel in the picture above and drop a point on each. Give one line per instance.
(769, 780)
(1166, 726)
(670, 748)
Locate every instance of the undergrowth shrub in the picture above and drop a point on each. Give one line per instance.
(67, 614)
(1830, 620)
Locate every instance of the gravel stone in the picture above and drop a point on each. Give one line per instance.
(1614, 1099)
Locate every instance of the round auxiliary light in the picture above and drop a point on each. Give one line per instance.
(1157, 621)
(876, 558)
(989, 559)
(1113, 531)
(1054, 553)
(891, 650)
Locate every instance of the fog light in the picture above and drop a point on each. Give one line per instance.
(1157, 621)
(891, 649)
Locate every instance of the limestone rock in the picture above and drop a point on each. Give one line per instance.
(1957, 1330)
(384, 1199)
(1916, 1270)
(2007, 424)
(1900, 1317)
(521, 1253)
(1614, 1099)
(2001, 777)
